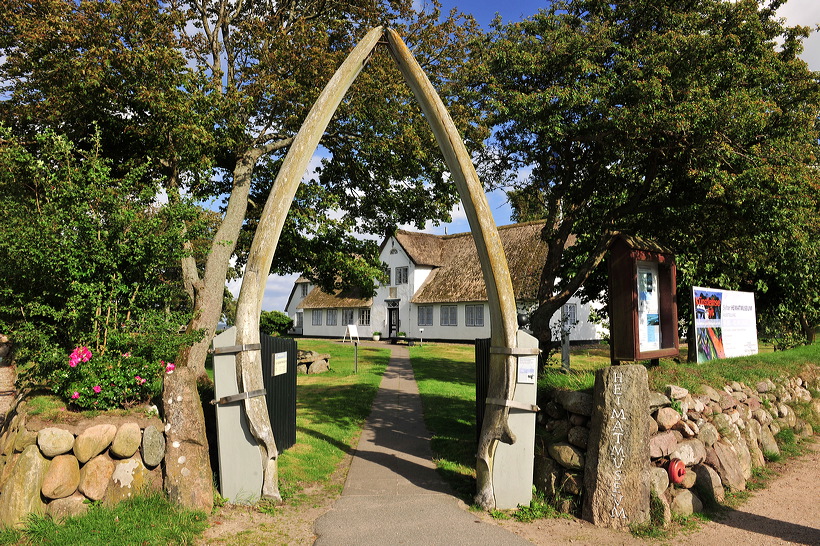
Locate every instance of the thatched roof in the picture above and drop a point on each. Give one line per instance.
(423, 249)
(458, 277)
(350, 298)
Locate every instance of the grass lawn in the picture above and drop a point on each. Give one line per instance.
(148, 520)
(330, 410)
(445, 374)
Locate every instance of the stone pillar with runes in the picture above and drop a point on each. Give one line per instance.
(616, 478)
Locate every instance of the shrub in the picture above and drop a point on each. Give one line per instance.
(106, 381)
(275, 323)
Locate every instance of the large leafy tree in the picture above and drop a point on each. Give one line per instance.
(213, 91)
(683, 121)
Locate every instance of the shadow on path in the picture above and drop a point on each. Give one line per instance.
(393, 493)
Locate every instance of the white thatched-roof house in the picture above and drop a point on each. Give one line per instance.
(436, 290)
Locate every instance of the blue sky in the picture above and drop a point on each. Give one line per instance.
(796, 12)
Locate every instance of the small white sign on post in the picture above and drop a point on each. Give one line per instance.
(280, 364)
(527, 369)
(353, 331)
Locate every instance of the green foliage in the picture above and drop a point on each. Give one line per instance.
(275, 323)
(89, 261)
(688, 123)
(538, 508)
(142, 520)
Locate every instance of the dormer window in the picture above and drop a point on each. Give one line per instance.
(401, 275)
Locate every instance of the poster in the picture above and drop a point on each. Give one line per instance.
(649, 328)
(725, 323)
(527, 369)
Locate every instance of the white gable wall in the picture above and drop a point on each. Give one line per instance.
(291, 310)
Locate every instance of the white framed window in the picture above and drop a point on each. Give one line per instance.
(426, 315)
(300, 317)
(304, 286)
(474, 315)
(347, 316)
(389, 276)
(448, 315)
(364, 317)
(331, 317)
(316, 317)
(401, 275)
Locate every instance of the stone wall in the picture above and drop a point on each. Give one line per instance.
(720, 435)
(55, 469)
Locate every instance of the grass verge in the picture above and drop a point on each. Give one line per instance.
(143, 520)
(330, 410)
(445, 374)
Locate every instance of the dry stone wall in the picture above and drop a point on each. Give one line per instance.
(55, 469)
(719, 434)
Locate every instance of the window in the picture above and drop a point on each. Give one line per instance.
(317, 317)
(449, 315)
(474, 315)
(347, 316)
(304, 287)
(570, 315)
(426, 315)
(389, 275)
(401, 275)
(364, 317)
(299, 318)
(331, 317)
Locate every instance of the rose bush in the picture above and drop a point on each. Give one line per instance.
(105, 381)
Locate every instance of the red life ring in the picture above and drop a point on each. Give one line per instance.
(677, 470)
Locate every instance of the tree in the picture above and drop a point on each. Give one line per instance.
(684, 122)
(234, 80)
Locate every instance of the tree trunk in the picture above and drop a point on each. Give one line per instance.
(540, 324)
(188, 478)
(808, 329)
(188, 475)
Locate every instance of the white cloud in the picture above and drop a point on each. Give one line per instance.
(806, 13)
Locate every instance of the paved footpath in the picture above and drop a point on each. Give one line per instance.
(393, 494)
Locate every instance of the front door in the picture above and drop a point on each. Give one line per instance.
(393, 321)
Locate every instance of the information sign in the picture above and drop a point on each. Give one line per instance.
(725, 324)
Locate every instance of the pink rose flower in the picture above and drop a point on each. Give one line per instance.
(169, 367)
(140, 380)
(79, 354)
(97, 389)
(75, 395)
